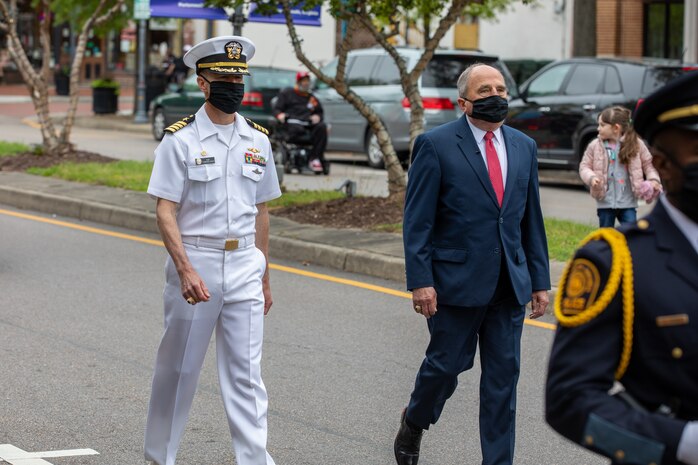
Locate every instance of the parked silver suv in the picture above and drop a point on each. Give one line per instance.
(374, 76)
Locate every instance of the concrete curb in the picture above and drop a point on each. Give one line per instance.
(281, 247)
(349, 260)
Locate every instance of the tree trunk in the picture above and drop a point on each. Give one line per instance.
(37, 82)
(397, 180)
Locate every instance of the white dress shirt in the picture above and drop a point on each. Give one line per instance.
(498, 141)
(217, 179)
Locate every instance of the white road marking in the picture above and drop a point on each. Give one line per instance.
(16, 456)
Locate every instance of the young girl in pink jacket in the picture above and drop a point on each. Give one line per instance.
(617, 166)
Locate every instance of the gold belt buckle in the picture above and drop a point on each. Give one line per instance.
(231, 244)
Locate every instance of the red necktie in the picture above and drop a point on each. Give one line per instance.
(493, 167)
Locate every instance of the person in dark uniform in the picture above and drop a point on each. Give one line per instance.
(298, 103)
(623, 373)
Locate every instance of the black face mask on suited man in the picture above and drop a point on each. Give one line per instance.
(226, 96)
(492, 109)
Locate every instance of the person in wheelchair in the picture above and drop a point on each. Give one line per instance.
(298, 105)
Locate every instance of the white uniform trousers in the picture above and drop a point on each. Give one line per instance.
(236, 310)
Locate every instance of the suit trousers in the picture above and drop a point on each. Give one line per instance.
(236, 312)
(455, 334)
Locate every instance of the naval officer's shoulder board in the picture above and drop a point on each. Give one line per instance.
(258, 127)
(179, 124)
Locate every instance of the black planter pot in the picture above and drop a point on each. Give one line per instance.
(104, 100)
(62, 84)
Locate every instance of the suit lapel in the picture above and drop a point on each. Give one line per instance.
(682, 256)
(472, 154)
(512, 165)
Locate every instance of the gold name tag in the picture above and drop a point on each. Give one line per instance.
(679, 319)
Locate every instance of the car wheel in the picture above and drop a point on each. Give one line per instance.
(159, 124)
(373, 151)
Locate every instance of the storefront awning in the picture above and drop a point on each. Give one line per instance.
(191, 9)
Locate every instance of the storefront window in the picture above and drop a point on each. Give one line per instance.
(664, 29)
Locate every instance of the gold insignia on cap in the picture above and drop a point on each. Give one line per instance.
(581, 288)
(676, 113)
(233, 49)
(643, 224)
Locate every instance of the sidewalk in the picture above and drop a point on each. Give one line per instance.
(350, 250)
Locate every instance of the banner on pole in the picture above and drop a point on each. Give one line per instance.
(191, 9)
(300, 17)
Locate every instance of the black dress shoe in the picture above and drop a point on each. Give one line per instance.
(407, 442)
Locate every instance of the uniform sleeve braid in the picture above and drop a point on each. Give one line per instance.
(621, 271)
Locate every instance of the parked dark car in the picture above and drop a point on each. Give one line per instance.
(559, 105)
(261, 86)
(374, 76)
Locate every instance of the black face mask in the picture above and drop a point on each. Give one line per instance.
(687, 195)
(226, 96)
(492, 109)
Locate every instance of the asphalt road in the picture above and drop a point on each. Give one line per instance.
(81, 323)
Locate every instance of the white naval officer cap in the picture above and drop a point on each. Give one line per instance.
(226, 55)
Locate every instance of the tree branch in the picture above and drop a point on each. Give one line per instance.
(444, 25)
(109, 13)
(45, 39)
(383, 41)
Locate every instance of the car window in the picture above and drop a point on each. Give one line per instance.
(586, 79)
(657, 77)
(444, 71)
(612, 82)
(549, 82)
(270, 78)
(386, 72)
(330, 69)
(361, 70)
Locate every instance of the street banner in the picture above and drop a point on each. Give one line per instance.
(192, 9)
(300, 17)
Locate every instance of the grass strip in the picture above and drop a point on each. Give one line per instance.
(563, 236)
(134, 175)
(8, 149)
(126, 174)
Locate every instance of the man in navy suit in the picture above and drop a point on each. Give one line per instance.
(475, 246)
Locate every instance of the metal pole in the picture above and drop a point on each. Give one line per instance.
(238, 20)
(141, 111)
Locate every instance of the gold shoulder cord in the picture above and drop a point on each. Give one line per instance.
(621, 270)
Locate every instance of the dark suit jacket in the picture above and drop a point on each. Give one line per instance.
(663, 367)
(454, 231)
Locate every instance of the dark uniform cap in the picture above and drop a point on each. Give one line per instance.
(673, 105)
(226, 55)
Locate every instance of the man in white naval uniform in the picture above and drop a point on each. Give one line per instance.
(212, 175)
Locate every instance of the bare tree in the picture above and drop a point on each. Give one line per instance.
(94, 14)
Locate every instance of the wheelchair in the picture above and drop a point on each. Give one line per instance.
(293, 151)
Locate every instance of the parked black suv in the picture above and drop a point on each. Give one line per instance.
(559, 105)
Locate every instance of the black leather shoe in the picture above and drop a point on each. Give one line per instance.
(407, 443)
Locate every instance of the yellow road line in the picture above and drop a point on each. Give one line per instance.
(79, 227)
(285, 269)
(348, 282)
(31, 123)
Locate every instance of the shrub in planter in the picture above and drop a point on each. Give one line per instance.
(105, 96)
